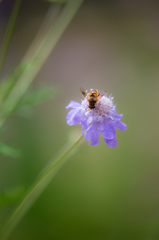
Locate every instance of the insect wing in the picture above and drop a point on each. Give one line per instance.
(83, 91)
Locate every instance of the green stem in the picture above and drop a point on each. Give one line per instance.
(8, 33)
(33, 193)
(38, 59)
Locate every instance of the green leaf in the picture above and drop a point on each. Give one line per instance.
(38, 96)
(11, 195)
(10, 151)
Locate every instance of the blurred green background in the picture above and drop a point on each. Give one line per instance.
(99, 193)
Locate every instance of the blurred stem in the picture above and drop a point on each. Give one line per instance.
(8, 33)
(34, 192)
(38, 59)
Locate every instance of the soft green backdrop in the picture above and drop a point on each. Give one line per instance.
(99, 193)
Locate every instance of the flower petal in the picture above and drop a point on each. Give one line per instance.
(108, 135)
(121, 126)
(88, 133)
(73, 104)
(112, 143)
(72, 117)
(108, 131)
(118, 116)
(92, 134)
(94, 139)
(84, 124)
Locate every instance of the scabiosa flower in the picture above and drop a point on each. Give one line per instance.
(102, 119)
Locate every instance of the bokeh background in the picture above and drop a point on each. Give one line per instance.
(98, 193)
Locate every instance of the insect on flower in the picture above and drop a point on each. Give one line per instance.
(92, 97)
(97, 115)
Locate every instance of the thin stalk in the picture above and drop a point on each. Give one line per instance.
(27, 62)
(8, 33)
(39, 59)
(34, 192)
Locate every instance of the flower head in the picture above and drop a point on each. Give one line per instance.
(102, 119)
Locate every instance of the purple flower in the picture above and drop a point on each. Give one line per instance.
(103, 119)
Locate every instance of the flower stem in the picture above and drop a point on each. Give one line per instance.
(33, 193)
(8, 32)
